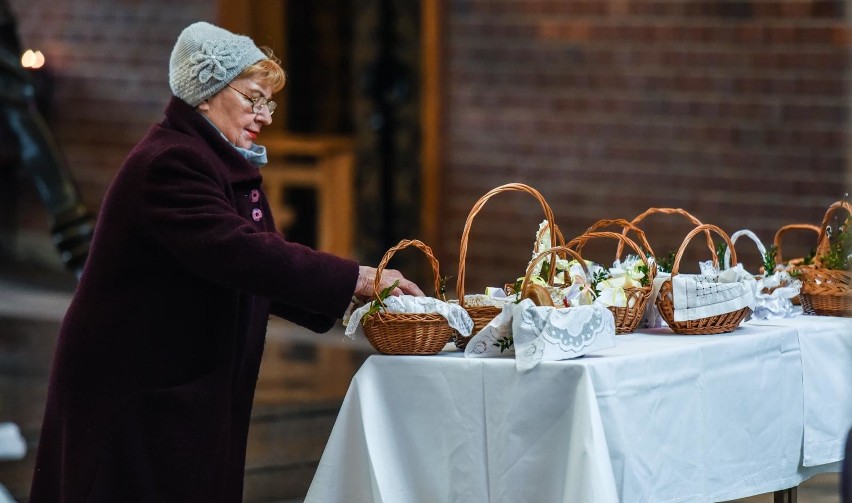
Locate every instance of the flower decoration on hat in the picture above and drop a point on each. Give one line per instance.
(214, 59)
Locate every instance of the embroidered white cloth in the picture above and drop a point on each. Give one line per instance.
(697, 296)
(545, 333)
(456, 316)
(485, 343)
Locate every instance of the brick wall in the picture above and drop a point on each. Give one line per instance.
(737, 111)
(109, 61)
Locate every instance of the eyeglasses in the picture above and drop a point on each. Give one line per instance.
(257, 104)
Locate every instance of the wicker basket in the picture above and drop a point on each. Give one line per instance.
(826, 291)
(718, 324)
(792, 264)
(407, 333)
(482, 315)
(627, 318)
(796, 262)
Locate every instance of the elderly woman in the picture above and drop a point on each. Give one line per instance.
(155, 368)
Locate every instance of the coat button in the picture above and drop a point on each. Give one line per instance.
(256, 214)
(255, 195)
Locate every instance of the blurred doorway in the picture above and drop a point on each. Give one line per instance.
(354, 74)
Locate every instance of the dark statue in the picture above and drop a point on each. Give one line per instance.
(28, 144)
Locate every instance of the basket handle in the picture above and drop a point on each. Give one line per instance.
(822, 239)
(626, 226)
(548, 215)
(580, 241)
(405, 243)
(538, 258)
(672, 211)
(790, 227)
(749, 234)
(706, 228)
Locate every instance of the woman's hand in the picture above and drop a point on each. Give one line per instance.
(367, 276)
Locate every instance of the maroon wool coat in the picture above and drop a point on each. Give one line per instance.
(158, 355)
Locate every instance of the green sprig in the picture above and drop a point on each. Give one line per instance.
(505, 343)
(769, 260)
(377, 304)
(839, 247)
(666, 264)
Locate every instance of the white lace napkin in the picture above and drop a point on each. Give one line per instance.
(456, 316)
(545, 333)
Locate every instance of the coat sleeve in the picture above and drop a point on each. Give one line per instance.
(186, 209)
(316, 322)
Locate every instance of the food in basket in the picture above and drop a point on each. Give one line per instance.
(539, 295)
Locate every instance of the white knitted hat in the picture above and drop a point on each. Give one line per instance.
(206, 58)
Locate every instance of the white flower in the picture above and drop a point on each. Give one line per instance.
(632, 267)
(614, 297)
(579, 294)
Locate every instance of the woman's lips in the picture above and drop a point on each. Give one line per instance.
(252, 135)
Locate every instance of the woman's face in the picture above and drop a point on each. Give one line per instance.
(232, 113)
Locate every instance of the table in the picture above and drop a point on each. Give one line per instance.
(658, 418)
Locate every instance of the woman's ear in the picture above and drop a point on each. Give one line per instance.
(204, 106)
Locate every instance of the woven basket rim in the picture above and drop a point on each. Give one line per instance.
(407, 333)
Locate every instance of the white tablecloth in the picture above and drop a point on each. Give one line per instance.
(659, 417)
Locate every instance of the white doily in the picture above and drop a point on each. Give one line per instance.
(543, 333)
